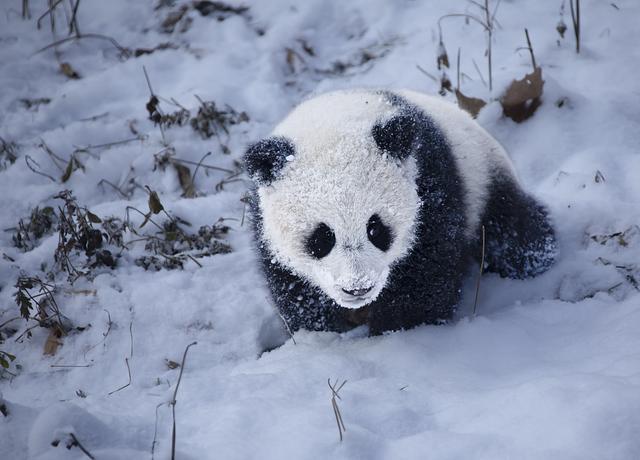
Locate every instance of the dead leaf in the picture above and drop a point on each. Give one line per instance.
(290, 58)
(561, 28)
(152, 108)
(155, 206)
(522, 97)
(184, 175)
(67, 70)
(54, 340)
(171, 364)
(93, 218)
(443, 58)
(71, 167)
(68, 171)
(473, 105)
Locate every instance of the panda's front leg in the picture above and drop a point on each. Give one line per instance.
(423, 291)
(302, 305)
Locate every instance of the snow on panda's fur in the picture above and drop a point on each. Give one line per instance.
(368, 206)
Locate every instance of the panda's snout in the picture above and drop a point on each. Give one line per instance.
(357, 292)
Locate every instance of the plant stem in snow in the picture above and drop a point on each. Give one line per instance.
(475, 302)
(489, 23)
(533, 58)
(334, 404)
(80, 446)
(126, 360)
(173, 402)
(575, 19)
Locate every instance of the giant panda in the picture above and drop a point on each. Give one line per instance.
(368, 207)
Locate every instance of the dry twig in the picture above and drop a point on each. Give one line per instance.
(126, 360)
(173, 401)
(575, 20)
(475, 302)
(334, 404)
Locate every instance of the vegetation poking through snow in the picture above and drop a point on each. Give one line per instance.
(8, 153)
(486, 17)
(6, 359)
(209, 121)
(171, 247)
(77, 233)
(213, 121)
(28, 233)
(88, 244)
(37, 302)
(180, 20)
(302, 60)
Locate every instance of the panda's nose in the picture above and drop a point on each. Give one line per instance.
(357, 292)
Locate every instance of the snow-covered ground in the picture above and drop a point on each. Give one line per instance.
(550, 367)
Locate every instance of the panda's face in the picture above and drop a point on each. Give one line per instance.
(336, 209)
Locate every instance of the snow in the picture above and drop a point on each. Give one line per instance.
(550, 367)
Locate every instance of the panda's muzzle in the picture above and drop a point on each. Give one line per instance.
(357, 292)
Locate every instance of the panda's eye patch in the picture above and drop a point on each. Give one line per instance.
(378, 233)
(321, 241)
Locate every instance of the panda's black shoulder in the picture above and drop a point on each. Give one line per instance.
(410, 130)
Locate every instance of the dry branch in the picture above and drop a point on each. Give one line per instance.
(475, 301)
(126, 360)
(334, 405)
(173, 401)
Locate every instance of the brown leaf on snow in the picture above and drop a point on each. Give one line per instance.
(473, 105)
(67, 70)
(171, 364)
(522, 97)
(184, 176)
(73, 165)
(155, 205)
(54, 340)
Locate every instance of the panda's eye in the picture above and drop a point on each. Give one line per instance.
(378, 233)
(321, 241)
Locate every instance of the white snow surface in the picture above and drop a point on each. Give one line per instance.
(549, 368)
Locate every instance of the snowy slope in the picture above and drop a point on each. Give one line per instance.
(550, 367)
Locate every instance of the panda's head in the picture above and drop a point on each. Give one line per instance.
(337, 195)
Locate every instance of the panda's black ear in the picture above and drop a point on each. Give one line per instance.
(396, 136)
(266, 158)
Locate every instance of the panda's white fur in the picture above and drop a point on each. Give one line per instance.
(343, 178)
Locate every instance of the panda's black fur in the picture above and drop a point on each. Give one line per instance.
(425, 285)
